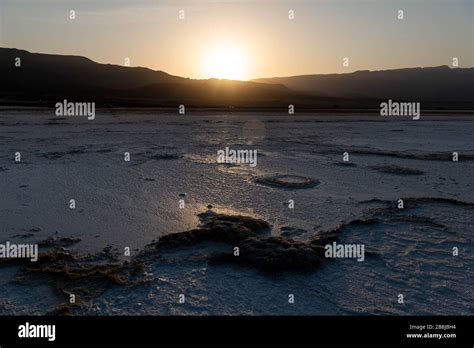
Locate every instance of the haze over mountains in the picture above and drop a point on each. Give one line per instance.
(44, 79)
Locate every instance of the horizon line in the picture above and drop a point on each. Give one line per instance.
(247, 80)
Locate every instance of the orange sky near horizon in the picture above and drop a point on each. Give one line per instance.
(246, 39)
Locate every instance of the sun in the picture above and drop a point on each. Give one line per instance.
(226, 62)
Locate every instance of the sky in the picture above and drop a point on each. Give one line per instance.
(246, 39)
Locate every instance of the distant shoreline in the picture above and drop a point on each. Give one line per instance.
(325, 115)
(299, 111)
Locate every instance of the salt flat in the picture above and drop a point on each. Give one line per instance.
(121, 204)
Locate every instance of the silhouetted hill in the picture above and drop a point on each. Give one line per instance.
(413, 84)
(44, 79)
(218, 92)
(46, 70)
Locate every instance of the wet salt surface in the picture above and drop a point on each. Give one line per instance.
(123, 204)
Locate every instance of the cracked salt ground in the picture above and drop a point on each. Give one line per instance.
(415, 248)
(361, 288)
(117, 207)
(192, 263)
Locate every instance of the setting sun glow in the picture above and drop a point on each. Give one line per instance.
(226, 62)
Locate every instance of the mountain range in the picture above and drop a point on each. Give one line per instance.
(44, 79)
